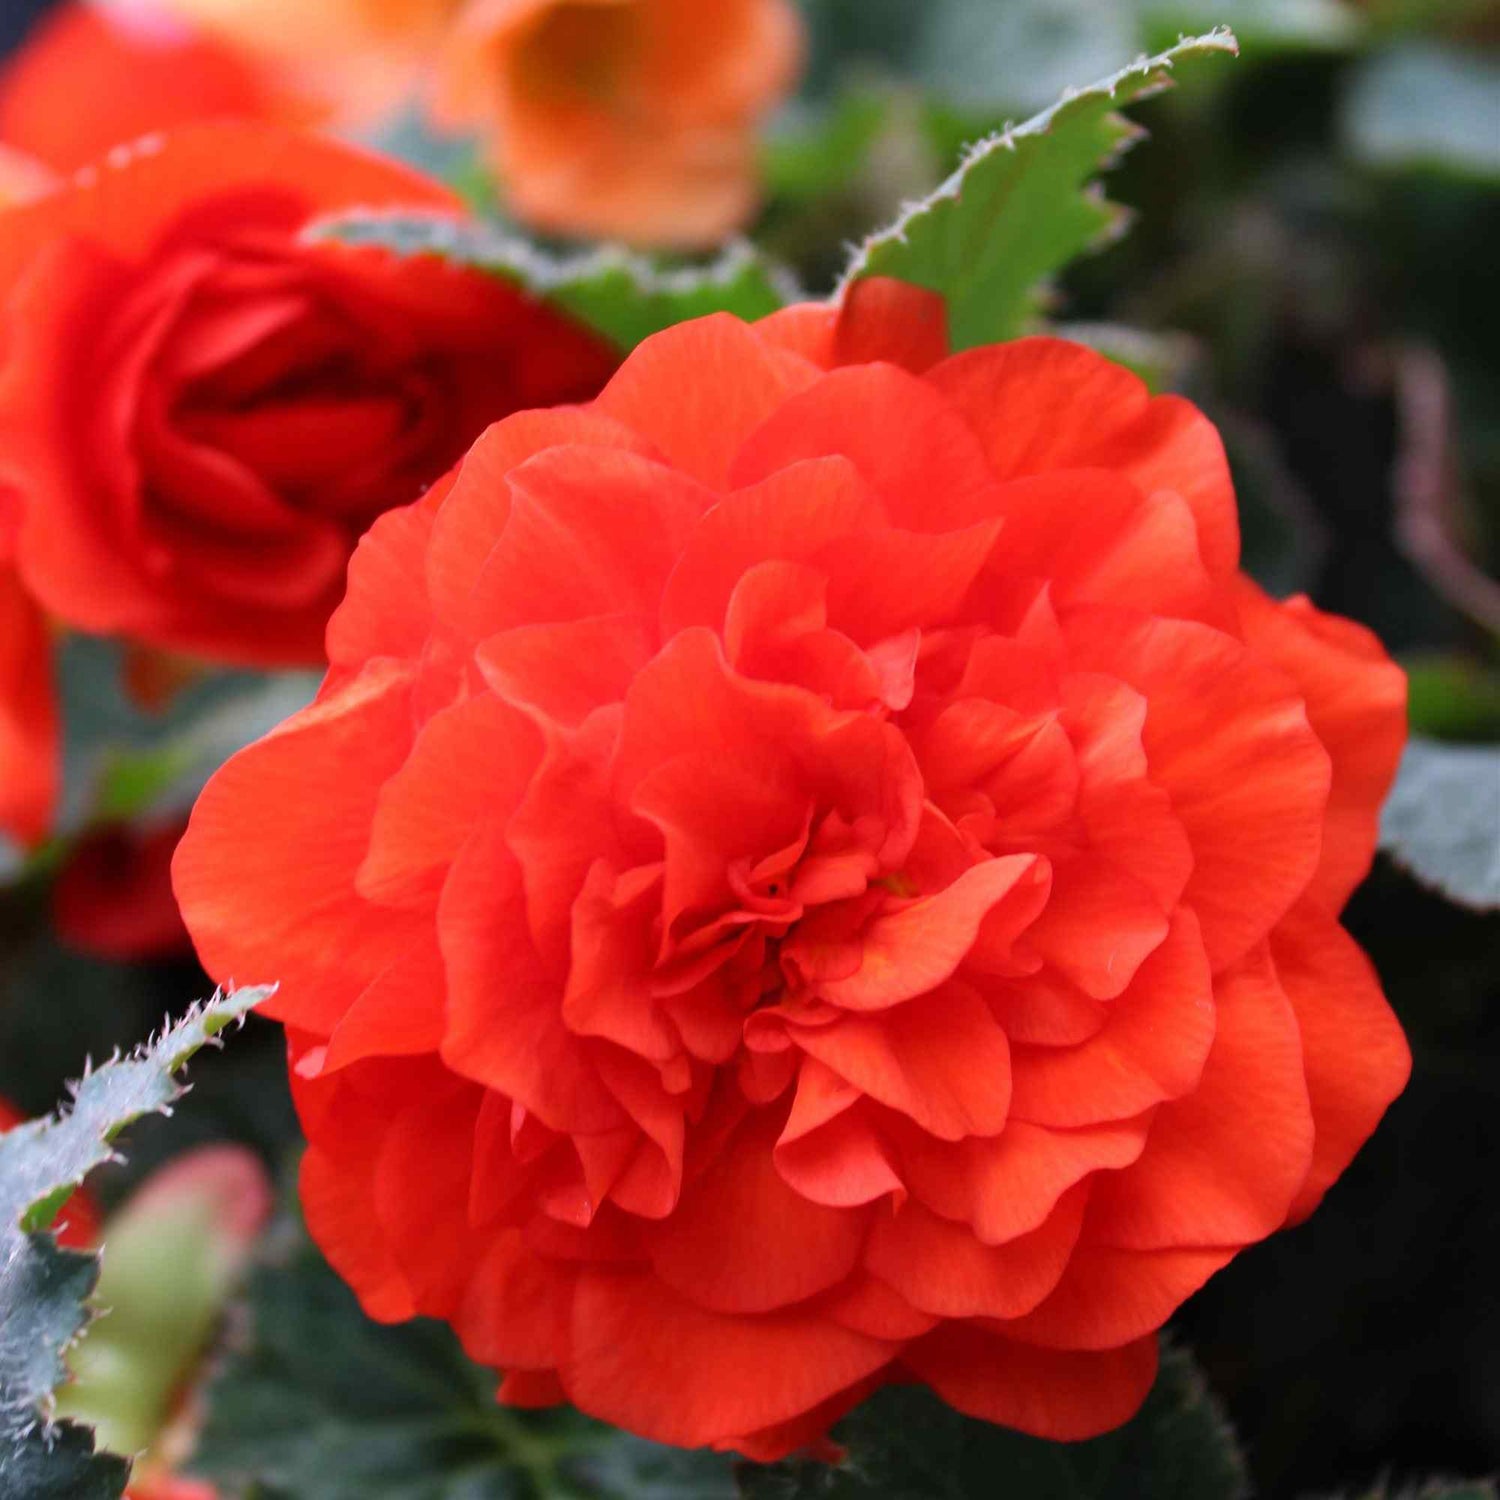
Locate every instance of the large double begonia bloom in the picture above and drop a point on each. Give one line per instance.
(816, 869)
(203, 404)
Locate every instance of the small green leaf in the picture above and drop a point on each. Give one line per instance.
(318, 1400)
(44, 1289)
(622, 296)
(905, 1444)
(1019, 209)
(1442, 820)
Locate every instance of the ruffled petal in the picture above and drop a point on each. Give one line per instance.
(265, 874)
(1056, 1394)
(698, 390)
(1354, 1053)
(712, 1373)
(783, 1248)
(1223, 1164)
(1042, 404)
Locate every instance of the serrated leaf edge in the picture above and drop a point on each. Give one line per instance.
(1155, 71)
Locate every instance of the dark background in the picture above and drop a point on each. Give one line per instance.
(1315, 290)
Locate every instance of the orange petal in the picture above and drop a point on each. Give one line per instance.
(1042, 404)
(783, 1248)
(1049, 1393)
(1356, 703)
(1221, 1165)
(713, 1375)
(1353, 1051)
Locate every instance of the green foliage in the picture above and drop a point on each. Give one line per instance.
(1452, 697)
(1019, 208)
(319, 1400)
(905, 1444)
(1442, 820)
(44, 1289)
(1425, 106)
(623, 297)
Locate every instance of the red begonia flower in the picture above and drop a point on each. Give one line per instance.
(90, 77)
(201, 409)
(816, 870)
(113, 895)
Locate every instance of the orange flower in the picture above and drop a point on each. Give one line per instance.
(629, 119)
(201, 408)
(816, 870)
(91, 77)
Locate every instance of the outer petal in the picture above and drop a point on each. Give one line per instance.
(1356, 703)
(1110, 1297)
(1046, 1392)
(265, 874)
(1221, 1166)
(713, 1375)
(940, 1268)
(1043, 404)
(1227, 737)
(1353, 1051)
(699, 389)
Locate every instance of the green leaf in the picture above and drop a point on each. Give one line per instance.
(318, 1400)
(1018, 209)
(1442, 820)
(1422, 106)
(905, 1444)
(622, 296)
(1452, 697)
(44, 1289)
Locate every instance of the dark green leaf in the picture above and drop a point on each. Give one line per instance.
(1442, 820)
(44, 1289)
(905, 1444)
(316, 1400)
(1019, 209)
(624, 297)
(62, 1465)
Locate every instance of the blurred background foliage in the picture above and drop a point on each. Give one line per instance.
(1312, 258)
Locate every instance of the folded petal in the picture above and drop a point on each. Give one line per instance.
(1354, 1053)
(1056, 1394)
(1222, 1164)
